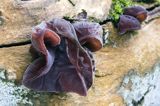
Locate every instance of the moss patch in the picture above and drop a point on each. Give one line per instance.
(117, 8)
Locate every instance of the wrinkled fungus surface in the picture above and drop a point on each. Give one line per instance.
(128, 23)
(63, 56)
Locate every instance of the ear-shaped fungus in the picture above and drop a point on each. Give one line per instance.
(128, 23)
(89, 35)
(138, 12)
(62, 65)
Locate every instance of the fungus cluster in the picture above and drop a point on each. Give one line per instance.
(131, 19)
(63, 59)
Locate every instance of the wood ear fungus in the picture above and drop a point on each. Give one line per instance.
(128, 23)
(138, 12)
(64, 61)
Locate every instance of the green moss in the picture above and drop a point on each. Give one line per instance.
(68, 18)
(117, 8)
(93, 19)
(158, 1)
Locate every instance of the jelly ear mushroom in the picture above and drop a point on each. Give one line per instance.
(89, 35)
(46, 34)
(128, 23)
(138, 12)
(61, 64)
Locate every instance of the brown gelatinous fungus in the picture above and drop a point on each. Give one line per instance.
(89, 34)
(138, 12)
(63, 62)
(128, 23)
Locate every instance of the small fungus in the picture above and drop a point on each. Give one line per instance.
(128, 23)
(138, 12)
